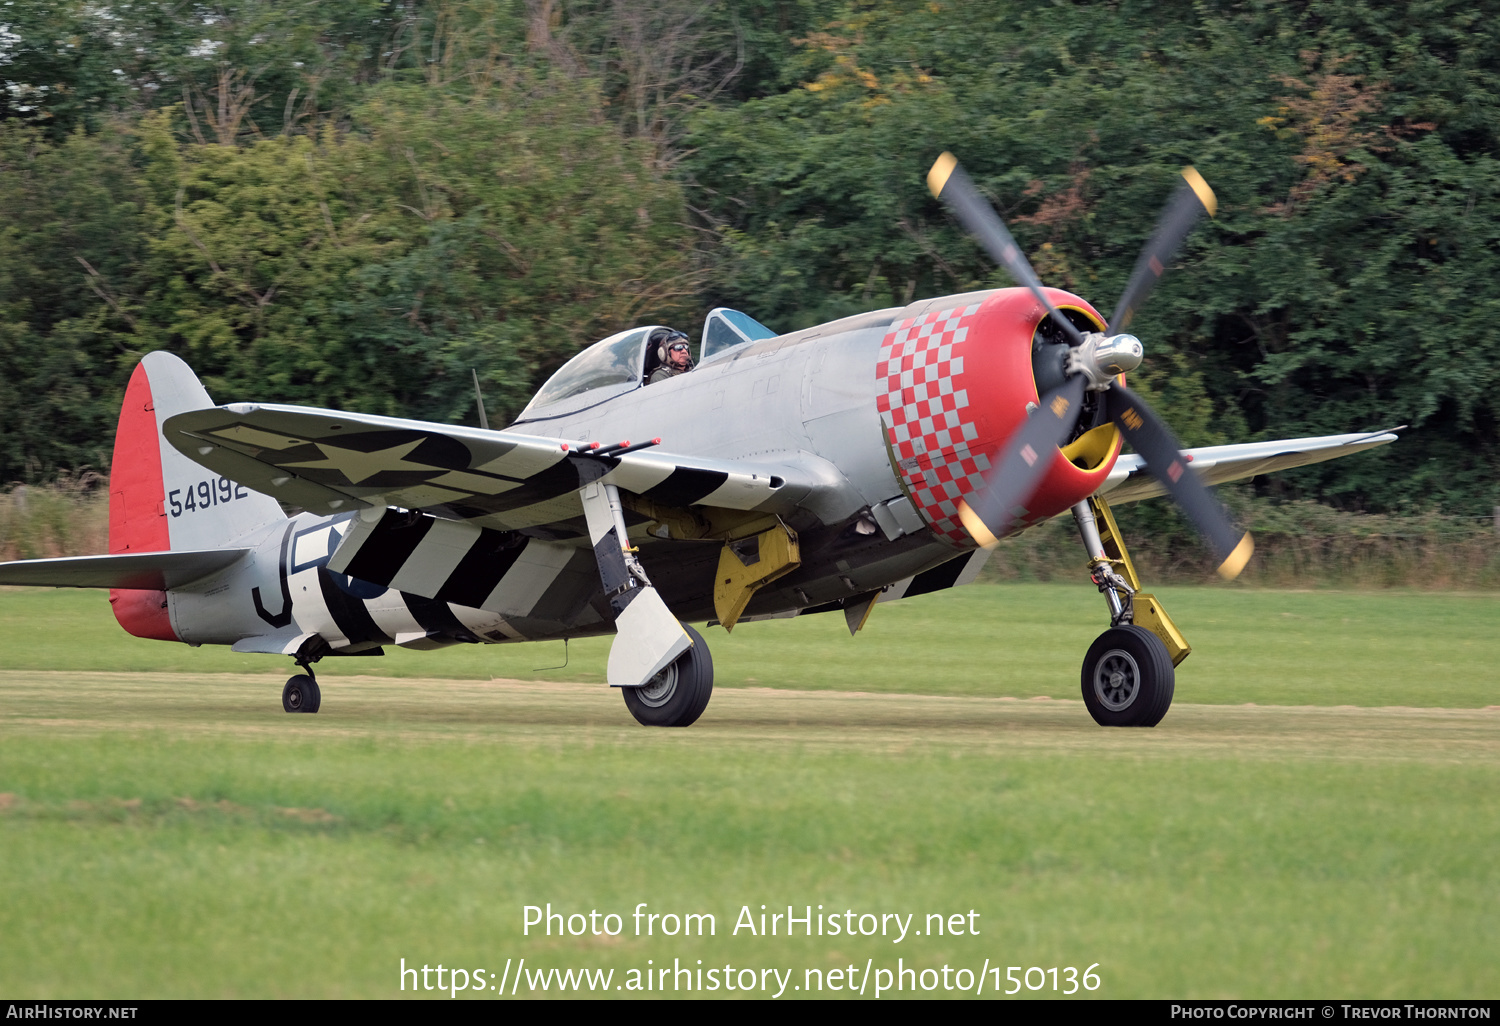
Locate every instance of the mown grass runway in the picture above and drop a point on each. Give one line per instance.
(1274, 647)
(170, 832)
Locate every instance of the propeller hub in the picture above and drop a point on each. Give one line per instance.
(1102, 357)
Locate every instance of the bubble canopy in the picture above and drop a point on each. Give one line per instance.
(619, 364)
(604, 370)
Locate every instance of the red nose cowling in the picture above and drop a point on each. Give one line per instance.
(954, 385)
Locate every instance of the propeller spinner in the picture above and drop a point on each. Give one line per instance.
(1093, 363)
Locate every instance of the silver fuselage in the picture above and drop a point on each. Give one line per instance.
(806, 399)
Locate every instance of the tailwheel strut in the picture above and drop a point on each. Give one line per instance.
(1129, 673)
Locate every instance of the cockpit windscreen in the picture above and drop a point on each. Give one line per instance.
(725, 328)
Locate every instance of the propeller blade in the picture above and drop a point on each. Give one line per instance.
(987, 516)
(1182, 211)
(1151, 437)
(951, 184)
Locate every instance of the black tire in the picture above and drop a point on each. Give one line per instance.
(301, 695)
(677, 696)
(1128, 678)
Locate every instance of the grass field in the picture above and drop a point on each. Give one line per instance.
(1274, 647)
(165, 830)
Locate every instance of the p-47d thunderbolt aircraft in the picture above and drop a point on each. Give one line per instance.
(866, 460)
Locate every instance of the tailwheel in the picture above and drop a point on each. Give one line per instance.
(1128, 678)
(301, 695)
(676, 696)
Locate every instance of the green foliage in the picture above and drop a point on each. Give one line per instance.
(540, 217)
(70, 254)
(61, 65)
(241, 68)
(365, 270)
(354, 202)
(1346, 283)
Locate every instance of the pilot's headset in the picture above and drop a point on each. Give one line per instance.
(666, 339)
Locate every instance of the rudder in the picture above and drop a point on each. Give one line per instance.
(159, 499)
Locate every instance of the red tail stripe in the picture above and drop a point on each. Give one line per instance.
(137, 517)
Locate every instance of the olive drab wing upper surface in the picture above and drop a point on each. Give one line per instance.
(330, 462)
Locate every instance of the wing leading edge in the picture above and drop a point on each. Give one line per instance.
(1219, 464)
(329, 462)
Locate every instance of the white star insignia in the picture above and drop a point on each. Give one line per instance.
(361, 466)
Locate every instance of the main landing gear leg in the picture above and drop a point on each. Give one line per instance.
(1129, 673)
(301, 694)
(662, 665)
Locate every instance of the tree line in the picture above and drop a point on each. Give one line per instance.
(352, 202)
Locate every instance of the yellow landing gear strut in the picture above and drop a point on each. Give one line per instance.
(1114, 574)
(1129, 673)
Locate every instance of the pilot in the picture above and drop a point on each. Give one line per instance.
(672, 351)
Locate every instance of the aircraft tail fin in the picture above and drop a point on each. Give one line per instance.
(159, 499)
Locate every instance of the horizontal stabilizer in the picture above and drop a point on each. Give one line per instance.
(143, 571)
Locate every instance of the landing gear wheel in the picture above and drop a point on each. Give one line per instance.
(301, 695)
(1128, 678)
(676, 696)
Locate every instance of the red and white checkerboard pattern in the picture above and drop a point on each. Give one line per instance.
(924, 406)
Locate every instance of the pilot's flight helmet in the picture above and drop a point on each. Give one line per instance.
(666, 338)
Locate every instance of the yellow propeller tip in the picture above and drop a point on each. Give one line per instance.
(1231, 567)
(1200, 187)
(975, 527)
(941, 169)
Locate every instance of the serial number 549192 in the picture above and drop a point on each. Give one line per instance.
(203, 495)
